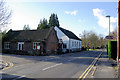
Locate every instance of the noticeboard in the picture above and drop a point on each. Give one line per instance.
(38, 47)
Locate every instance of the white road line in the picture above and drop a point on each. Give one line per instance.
(51, 66)
(19, 77)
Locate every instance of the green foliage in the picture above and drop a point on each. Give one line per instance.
(92, 40)
(26, 27)
(43, 24)
(2, 34)
(53, 21)
(112, 49)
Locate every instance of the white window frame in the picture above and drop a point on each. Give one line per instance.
(21, 43)
(35, 44)
(6, 45)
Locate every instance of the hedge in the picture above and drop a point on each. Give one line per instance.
(112, 49)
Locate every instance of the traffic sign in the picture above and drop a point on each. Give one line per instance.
(109, 37)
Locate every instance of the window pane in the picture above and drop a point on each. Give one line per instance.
(22, 46)
(19, 46)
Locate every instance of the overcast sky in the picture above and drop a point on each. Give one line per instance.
(74, 16)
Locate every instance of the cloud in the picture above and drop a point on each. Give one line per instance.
(71, 12)
(103, 21)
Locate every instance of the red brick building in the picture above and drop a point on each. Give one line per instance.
(39, 42)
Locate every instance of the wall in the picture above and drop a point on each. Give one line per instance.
(62, 36)
(51, 42)
(75, 44)
(66, 40)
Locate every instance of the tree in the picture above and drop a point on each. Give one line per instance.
(53, 21)
(26, 27)
(5, 14)
(43, 24)
(84, 39)
(2, 34)
(91, 40)
(114, 34)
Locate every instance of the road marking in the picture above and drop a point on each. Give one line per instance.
(51, 66)
(10, 65)
(86, 70)
(89, 68)
(19, 77)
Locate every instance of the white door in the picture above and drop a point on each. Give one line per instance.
(20, 45)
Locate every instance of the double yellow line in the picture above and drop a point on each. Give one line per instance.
(85, 73)
(10, 65)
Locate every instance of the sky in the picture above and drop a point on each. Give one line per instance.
(74, 16)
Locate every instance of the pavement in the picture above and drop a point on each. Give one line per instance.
(105, 68)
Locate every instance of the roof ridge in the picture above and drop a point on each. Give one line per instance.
(29, 30)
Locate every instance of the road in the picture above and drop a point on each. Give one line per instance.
(70, 65)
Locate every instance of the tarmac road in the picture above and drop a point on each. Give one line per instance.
(70, 65)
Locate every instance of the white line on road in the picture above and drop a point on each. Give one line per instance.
(19, 77)
(51, 66)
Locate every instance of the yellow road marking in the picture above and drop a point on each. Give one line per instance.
(88, 69)
(10, 65)
(88, 72)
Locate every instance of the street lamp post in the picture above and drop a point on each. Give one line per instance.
(109, 24)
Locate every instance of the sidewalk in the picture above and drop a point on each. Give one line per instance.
(105, 68)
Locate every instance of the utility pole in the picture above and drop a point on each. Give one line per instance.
(118, 33)
(118, 39)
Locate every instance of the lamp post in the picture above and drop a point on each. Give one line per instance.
(109, 23)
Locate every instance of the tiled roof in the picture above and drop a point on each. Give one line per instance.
(70, 34)
(26, 35)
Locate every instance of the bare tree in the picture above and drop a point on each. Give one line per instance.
(5, 14)
(114, 34)
(91, 40)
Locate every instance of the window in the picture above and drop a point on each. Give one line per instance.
(20, 45)
(72, 43)
(35, 45)
(77, 44)
(6, 45)
(64, 45)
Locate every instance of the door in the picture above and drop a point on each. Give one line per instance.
(20, 45)
(53, 48)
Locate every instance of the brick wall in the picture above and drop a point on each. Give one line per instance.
(51, 42)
